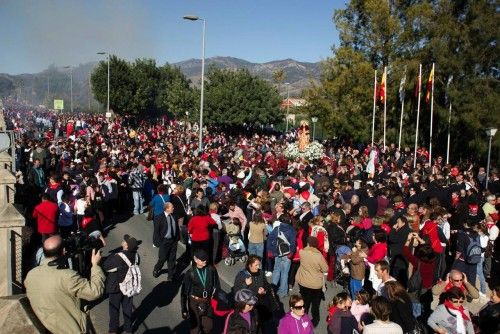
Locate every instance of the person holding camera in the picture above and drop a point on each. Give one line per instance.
(199, 285)
(54, 290)
(117, 268)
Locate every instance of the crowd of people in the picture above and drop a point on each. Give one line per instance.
(392, 237)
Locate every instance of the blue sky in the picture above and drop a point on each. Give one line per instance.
(37, 33)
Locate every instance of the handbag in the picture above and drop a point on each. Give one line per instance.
(415, 281)
(420, 328)
(150, 214)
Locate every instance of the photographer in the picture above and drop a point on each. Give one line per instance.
(55, 291)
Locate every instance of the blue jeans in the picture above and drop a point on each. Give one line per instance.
(256, 249)
(280, 274)
(138, 202)
(355, 285)
(480, 274)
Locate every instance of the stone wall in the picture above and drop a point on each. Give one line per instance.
(11, 224)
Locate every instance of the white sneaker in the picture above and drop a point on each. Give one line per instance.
(269, 274)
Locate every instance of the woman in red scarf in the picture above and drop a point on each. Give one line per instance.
(451, 317)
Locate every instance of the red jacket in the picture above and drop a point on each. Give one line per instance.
(46, 214)
(377, 252)
(426, 268)
(198, 227)
(430, 229)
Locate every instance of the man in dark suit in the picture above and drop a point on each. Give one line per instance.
(305, 217)
(166, 236)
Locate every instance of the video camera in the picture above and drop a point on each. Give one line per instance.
(81, 242)
(78, 249)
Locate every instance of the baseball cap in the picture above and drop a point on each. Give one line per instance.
(245, 296)
(131, 242)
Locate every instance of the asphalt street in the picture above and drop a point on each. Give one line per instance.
(157, 307)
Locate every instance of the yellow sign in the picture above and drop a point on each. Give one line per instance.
(59, 104)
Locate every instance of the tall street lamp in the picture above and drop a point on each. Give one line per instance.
(314, 120)
(71, 76)
(490, 132)
(107, 56)
(287, 103)
(196, 18)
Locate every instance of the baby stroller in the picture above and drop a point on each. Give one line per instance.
(236, 250)
(342, 272)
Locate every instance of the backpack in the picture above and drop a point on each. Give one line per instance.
(283, 244)
(131, 285)
(473, 252)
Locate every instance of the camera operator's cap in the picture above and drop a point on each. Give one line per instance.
(245, 296)
(201, 255)
(131, 242)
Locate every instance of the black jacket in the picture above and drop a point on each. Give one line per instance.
(116, 270)
(304, 224)
(258, 281)
(402, 314)
(161, 228)
(180, 204)
(336, 237)
(192, 285)
(236, 324)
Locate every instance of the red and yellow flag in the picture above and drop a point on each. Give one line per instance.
(381, 92)
(429, 86)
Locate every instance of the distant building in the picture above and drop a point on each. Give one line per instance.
(292, 103)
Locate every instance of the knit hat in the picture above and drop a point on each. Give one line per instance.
(245, 296)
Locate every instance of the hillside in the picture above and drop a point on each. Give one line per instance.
(54, 82)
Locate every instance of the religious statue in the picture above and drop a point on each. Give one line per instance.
(303, 135)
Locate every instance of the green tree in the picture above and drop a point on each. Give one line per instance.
(341, 100)
(460, 37)
(237, 97)
(146, 78)
(175, 95)
(279, 77)
(122, 85)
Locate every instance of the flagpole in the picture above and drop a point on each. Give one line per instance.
(401, 124)
(374, 106)
(432, 114)
(418, 115)
(385, 101)
(448, 144)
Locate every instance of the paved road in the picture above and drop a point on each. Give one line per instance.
(158, 305)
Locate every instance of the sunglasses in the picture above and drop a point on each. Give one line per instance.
(298, 307)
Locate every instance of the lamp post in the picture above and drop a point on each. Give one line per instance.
(186, 123)
(71, 76)
(314, 120)
(287, 103)
(107, 56)
(196, 18)
(490, 132)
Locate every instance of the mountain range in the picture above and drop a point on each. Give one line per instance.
(34, 87)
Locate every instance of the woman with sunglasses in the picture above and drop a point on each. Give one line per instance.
(296, 321)
(451, 317)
